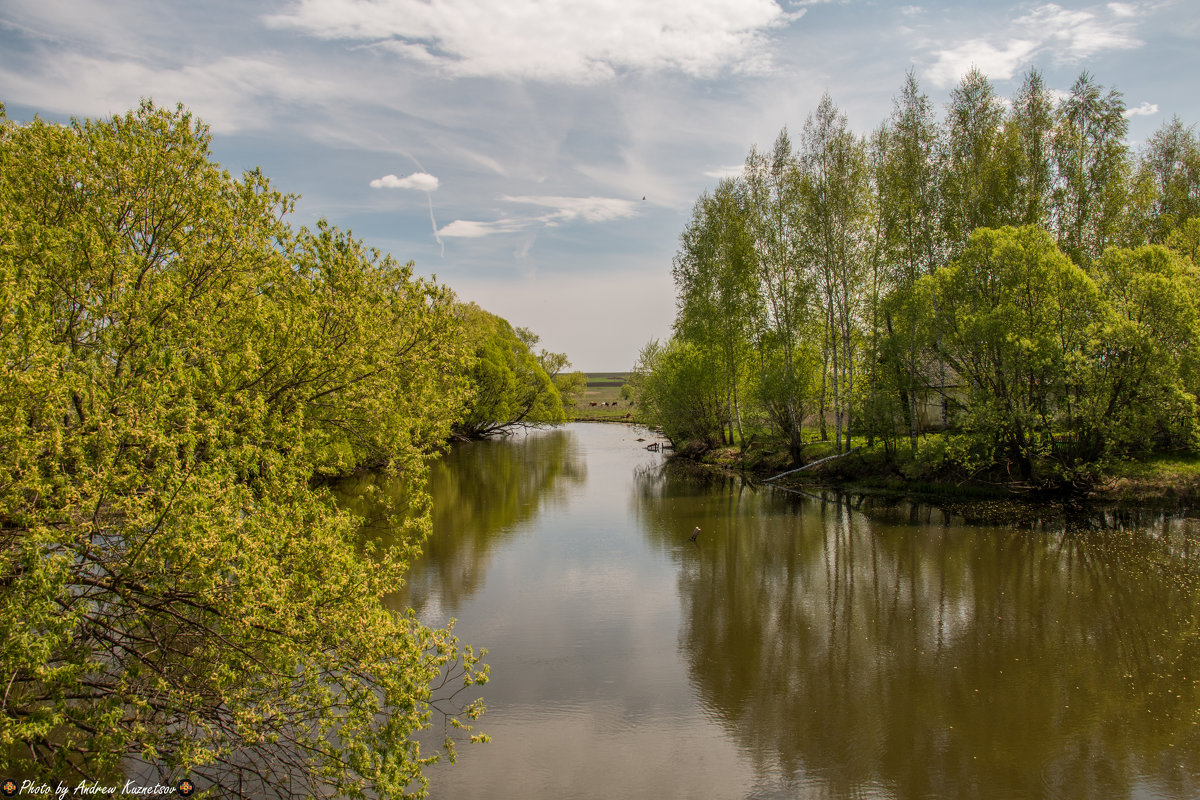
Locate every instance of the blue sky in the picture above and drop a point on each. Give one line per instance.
(506, 147)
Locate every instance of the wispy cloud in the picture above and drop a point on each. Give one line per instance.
(577, 42)
(1144, 110)
(1077, 34)
(474, 229)
(228, 92)
(996, 61)
(1066, 35)
(562, 210)
(731, 171)
(589, 209)
(420, 181)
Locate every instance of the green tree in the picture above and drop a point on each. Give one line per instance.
(839, 226)
(1056, 372)
(908, 172)
(509, 385)
(1029, 131)
(1020, 318)
(1171, 162)
(1092, 160)
(679, 389)
(716, 279)
(179, 365)
(774, 214)
(976, 180)
(1144, 391)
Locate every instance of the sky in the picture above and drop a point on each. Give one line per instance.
(541, 157)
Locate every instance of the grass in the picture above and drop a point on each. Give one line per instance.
(1185, 466)
(1160, 479)
(1169, 477)
(603, 389)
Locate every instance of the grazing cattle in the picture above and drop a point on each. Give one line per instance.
(592, 404)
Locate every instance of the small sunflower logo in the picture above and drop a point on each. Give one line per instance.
(185, 788)
(8, 788)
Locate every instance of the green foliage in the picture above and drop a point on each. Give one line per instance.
(1054, 368)
(1019, 319)
(571, 387)
(783, 399)
(1093, 167)
(982, 275)
(508, 383)
(715, 275)
(179, 365)
(679, 389)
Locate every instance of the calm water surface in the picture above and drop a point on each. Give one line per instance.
(803, 647)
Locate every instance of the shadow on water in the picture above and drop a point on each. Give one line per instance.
(857, 647)
(483, 493)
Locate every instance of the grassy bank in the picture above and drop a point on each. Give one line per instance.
(1167, 480)
(602, 401)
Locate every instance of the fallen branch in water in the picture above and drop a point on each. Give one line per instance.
(813, 464)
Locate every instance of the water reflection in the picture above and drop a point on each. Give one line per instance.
(861, 649)
(483, 493)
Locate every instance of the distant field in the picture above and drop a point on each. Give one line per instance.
(605, 378)
(602, 388)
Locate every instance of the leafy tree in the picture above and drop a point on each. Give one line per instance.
(774, 216)
(679, 389)
(838, 221)
(1093, 166)
(715, 275)
(1056, 369)
(179, 366)
(1029, 132)
(570, 385)
(509, 385)
(976, 179)
(908, 171)
(1171, 162)
(1147, 379)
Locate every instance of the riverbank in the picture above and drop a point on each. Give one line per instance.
(1162, 480)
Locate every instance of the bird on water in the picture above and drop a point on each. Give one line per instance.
(695, 533)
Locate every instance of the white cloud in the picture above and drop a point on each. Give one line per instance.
(1000, 62)
(1075, 34)
(589, 209)
(1068, 35)
(473, 229)
(577, 42)
(1144, 110)
(420, 181)
(228, 93)
(563, 209)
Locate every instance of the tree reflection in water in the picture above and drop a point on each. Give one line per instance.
(894, 650)
(482, 493)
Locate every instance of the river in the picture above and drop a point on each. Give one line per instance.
(802, 647)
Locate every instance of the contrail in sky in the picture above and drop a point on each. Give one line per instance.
(429, 197)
